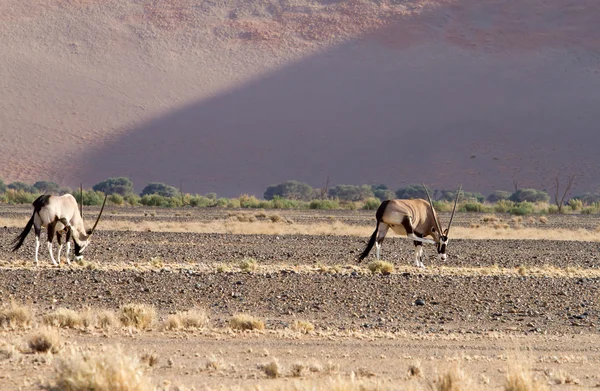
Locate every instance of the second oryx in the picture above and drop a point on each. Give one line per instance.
(59, 214)
(415, 218)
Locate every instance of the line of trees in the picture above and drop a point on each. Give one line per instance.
(294, 194)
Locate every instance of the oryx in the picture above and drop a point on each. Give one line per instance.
(60, 214)
(415, 218)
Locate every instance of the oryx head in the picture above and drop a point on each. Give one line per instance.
(441, 237)
(82, 239)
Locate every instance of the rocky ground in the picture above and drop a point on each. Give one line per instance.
(519, 288)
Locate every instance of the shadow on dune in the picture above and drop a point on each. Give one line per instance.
(402, 105)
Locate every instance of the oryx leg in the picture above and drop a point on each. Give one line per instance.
(60, 245)
(382, 231)
(51, 230)
(38, 231)
(419, 254)
(68, 240)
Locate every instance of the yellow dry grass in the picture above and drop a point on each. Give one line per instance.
(111, 370)
(519, 379)
(246, 322)
(501, 231)
(15, 315)
(63, 317)
(381, 267)
(192, 319)
(139, 316)
(44, 340)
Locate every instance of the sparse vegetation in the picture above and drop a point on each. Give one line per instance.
(63, 317)
(454, 379)
(246, 322)
(192, 319)
(520, 379)
(249, 265)
(15, 315)
(108, 370)
(45, 340)
(303, 326)
(381, 267)
(139, 316)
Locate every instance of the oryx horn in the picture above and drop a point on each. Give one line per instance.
(453, 210)
(98, 219)
(437, 223)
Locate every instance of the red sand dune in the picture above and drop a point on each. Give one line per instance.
(234, 97)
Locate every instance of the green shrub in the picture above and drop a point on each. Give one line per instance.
(199, 201)
(132, 199)
(553, 209)
(371, 204)
(284, 203)
(116, 199)
(248, 201)
(589, 210)
(443, 206)
(160, 201)
(324, 204)
(503, 206)
(20, 197)
(472, 207)
(575, 204)
(231, 203)
(160, 189)
(522, 208)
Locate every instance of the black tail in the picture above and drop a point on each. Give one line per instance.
(379, 217)
(38, 204)
(370, 245)
(21, 238)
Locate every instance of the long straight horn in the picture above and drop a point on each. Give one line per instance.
(437, 223)
(81, 199)
(453, 210)
(98, 219)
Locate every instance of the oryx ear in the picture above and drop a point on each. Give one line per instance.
(446, 232)
(433, 229)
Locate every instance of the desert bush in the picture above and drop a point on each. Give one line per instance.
(110, 370)
(290, 189)
(191, 319)
(249, 265)
(351, 192)
(553, 209)
(248, 201)
(519, 379)
(371, 203)
(499, 195)
(303, 326)
(132, 199)
(381, 267)
(522, 208)
(106, 319)
(284, 203)
(140, 316)
(2, 186)
(530, 195)
(443, 206)
(246, 322)
(590, 210)
(324, 204)
(45, 340)
(161, 189)
(22, 186)
(503, 206)
(15, 315)
(201, 202)
(116, 199)
(19, 197)
(63, 317)
(90, 197)
(473, 207)
(160, 201)
(120, 185)
(45, 187)
(575, 204)
(272, 369)
(454, 379)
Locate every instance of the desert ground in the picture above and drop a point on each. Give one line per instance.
(516, 294)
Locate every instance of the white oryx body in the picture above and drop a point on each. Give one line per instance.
(415, 218)
(59, 214)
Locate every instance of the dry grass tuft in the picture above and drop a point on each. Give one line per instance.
(272, 369)
(414, 370)
(303, 326)
(149, 358)
(562, 377)
(63, 317)
(298, 370)
(15, 315)
(275, 218)
(381, 267)
(192, 319)
(543, 220)
(214, 363)
(106, 319)
(45, 340)
(520, 379)
(246, 322)
(249, 265)
(140, 316)
(455, 379)
(109, 370)
(7, 351)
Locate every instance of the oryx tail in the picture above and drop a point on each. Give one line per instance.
(38, 204)
(378, 217)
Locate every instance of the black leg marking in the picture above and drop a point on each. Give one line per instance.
(59, 238)
(51, 230)
(406, 224)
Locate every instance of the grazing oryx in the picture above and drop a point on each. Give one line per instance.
(59, 214)
(414, 218)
